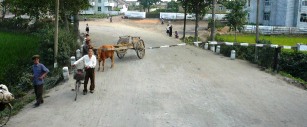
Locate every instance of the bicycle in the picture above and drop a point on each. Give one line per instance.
(78, 76)
(5, 113)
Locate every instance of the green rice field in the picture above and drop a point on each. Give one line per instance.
(280, 39)
(16, 48)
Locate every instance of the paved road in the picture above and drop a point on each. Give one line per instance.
(182, 86)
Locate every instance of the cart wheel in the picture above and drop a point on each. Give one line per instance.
(121, 53)
(5, 114)
(140, 49)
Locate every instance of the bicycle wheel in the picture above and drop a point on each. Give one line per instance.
(5, 114)
(77, 86)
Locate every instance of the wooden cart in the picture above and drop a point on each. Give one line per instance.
(128, 42)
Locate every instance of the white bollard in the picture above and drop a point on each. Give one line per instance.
(233, 54)
(212, 48)
(218, 49)
(197, 43)
(72, 60)
(78, 53)
(65, 73)
(206, 46)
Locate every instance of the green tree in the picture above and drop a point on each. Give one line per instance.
(32, 9)
(4, 5)
(41, 8)
(172, 6)
(148, 3)
(184, 5)
(72, 8)
(237, 17)
(199, 8)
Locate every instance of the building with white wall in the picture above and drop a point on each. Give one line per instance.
(100, 7)
(290, 13)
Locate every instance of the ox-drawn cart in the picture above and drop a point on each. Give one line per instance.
(128, 42)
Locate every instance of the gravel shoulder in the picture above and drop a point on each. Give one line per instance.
(182, 86)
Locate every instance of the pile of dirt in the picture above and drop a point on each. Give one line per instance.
(224, 30)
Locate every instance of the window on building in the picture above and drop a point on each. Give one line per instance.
(267, 2)
(221, 8)
(266, 16)
(99, 8)
(304, 2)
(303, 17)
(99, 1)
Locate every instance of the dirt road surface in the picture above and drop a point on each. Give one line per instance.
(182, 86)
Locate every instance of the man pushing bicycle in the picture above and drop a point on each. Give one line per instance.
(89, 62)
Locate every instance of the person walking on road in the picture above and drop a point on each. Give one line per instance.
(87, 45)
(176, 34)
(87, 29)
(39, 73)
(89, 62)
(170, 30)
(162, 21)
(167, 29)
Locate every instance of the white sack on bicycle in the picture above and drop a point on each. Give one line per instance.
(5, 95)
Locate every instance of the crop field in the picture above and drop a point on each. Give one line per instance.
(16, 48)
(280, 40)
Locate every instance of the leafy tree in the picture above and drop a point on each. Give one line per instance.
(148, 3)
(172, 6)
(41, 8)
(72, 7)
(199, 8)
(33, 9)
(237, 17)
(4, 5)
(184, 4)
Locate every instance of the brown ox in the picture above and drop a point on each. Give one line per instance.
(104, 52)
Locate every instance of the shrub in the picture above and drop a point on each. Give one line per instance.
(66, 46)
(189, 40)
(265, 55)
(291, 62)
(294, 63)
(14, 24)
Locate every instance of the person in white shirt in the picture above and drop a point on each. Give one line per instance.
(89, 62)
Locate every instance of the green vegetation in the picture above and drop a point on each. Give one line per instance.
(288, 40)
(297, 80)
(98, 16)
(147, 4)
(19, 41)
(189, 40)
(236, 18)
(172, 6)
(291, 62)
(16, 48)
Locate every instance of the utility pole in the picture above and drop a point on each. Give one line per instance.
(56, 33)
(185, 19)
(257, 31)
(213, 21)
(257, 22)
